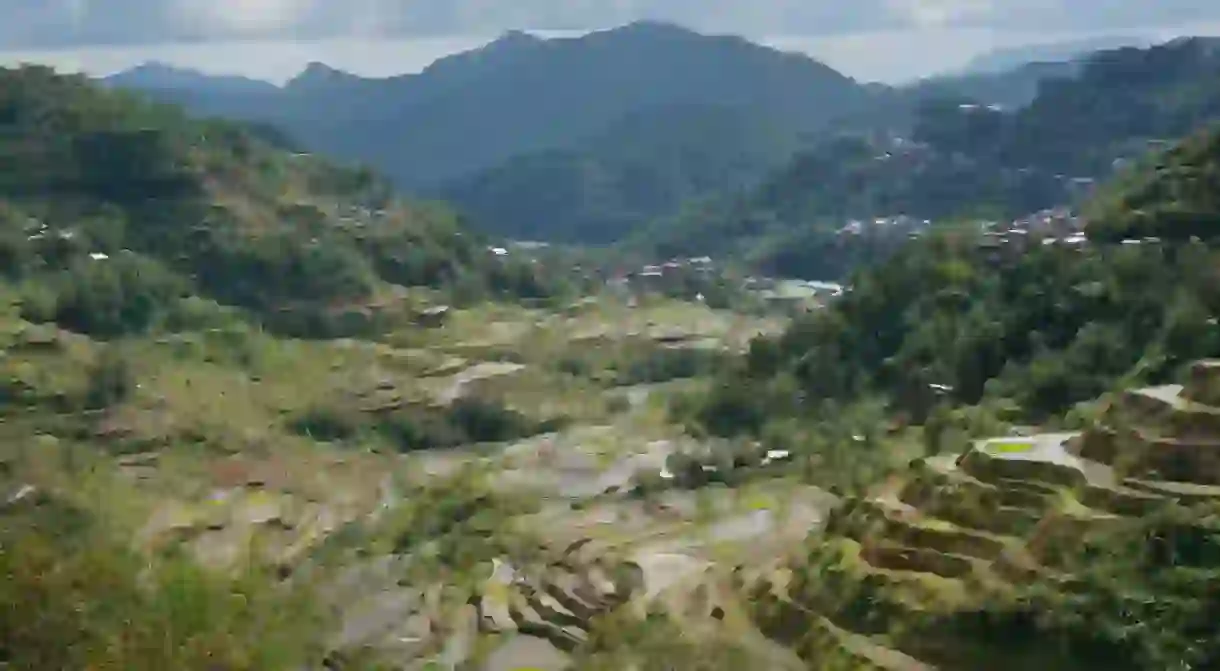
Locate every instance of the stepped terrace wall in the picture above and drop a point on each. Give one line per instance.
(1203, 385)
(991, 468)
(1167, 409)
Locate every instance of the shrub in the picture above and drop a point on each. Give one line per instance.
(114, 297)
(73, 597)
(110, 381)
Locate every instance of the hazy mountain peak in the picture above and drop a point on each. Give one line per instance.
(161, 66)
(999, 60)
(161, 72)
(520, 93)
(515, 38)
(319, 74)
(160, 75)
(654, 27)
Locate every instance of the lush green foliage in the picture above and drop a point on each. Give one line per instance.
(113, 209)
(1175, 197)
(963, 159)
(1026, 334)
(1045, 330)
(1145, 593)
(465, 421)
(72, 596)
(641, 167)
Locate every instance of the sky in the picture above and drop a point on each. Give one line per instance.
(882, 40)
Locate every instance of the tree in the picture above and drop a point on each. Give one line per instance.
(111, 380)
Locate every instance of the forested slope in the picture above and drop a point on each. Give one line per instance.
(113, 209)
(1029, 332)
(962, 160)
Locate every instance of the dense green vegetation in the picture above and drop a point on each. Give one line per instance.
(961, 159)
(1022, 335)
(157, 414)
(683, 169)
(1078, 126)
(1168, 560)
(1174, 197)
(152, 264)
(73, 595)
(466, 421)
(641, 167)
(1044, 331)
(1004, 562)
(789, 225)
(115, 209)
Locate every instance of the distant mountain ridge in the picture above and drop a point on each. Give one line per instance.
(590, 139)
(1012, 88)
(519, 94)
(158, 75)
(965, 159)
(1009, 58)
(646, 164)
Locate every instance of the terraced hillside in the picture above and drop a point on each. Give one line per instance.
(178, 397)
(400, 479)
(112, 209)
(1057, 551)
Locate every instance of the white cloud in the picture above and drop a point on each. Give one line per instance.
(242, 17)
(77, 11)
(940, 13)
(84, 22)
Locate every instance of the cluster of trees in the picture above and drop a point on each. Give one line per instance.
(947, 323)
(416, 427)
(666, 364)
(1175, 197)
(112, 209)
(1147, 591)
(940, 322)
(74, 596)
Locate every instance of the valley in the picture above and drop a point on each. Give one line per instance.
(204, 461)
(260, 410)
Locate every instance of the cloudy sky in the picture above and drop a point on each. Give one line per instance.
(871, 39)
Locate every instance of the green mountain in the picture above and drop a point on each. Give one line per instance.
(1010, 88)
(1122, 100)
(574, 139)
(187, 310)
(519, 94)
(657, 161)
(642, 484)
(647, 164)
(1175, 197)
(1002, 59)
(962, 159)
(1032, 330)
(115, 209)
